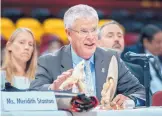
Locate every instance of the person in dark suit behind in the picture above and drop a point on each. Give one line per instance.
(111, 35)
(150, 42)
(81, 23)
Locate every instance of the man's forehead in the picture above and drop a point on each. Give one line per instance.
(158, 35)
(85, 22)
(112, 28)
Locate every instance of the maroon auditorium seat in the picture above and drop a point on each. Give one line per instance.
(46, 38)
(157, 99)
(130, 38)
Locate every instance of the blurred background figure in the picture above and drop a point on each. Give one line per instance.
(2, 44)
(54, 45)
(111, 36)
(150, 42)
(20, 58)
(50, 43)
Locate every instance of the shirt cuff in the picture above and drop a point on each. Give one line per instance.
(138, 101)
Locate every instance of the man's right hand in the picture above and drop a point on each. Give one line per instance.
(60, 79)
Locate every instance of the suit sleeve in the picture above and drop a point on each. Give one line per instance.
(128, 84)
(43, 79)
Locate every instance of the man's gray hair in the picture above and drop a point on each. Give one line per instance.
(108, 23)
(78, 11)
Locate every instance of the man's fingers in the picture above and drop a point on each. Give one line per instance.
(61, 78)
(64, 76)
(116, 99)
(121, 101)
(70, 70)
(68, 87)
(66, 73)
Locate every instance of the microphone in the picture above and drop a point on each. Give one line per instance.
(130, 56)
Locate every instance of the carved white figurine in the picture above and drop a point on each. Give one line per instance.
(76, 77)
(109, 87)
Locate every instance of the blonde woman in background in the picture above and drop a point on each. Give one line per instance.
(20, 58)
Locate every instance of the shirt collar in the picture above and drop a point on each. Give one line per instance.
(76, 59)
(149, 53)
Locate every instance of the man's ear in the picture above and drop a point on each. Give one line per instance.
(99, 43)
(145, 42)
(68, 33)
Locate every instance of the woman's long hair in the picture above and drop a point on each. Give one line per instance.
(9, 67)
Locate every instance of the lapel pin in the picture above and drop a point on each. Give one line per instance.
(103, 70)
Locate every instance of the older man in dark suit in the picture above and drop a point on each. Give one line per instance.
(81, 23)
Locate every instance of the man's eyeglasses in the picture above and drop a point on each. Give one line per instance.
(85, 33)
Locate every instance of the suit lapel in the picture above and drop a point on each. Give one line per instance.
(102, 61)
(66, 61)
(100, 72)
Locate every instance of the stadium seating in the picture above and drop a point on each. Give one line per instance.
(56, 27)
(41, 14)
(103, 21)
(130, 38)
(7, 27)
(13, 13)
(32, 24)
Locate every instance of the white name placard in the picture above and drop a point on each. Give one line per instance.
(28, 101)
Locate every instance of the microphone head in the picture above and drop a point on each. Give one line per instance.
(130, 56)
(127, 56)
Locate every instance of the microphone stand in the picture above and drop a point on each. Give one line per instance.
(147, 79)
(147, 76)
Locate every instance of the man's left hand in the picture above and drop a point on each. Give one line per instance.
(119, 100)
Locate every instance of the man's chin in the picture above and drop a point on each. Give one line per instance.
(88, 53)
(118, 50)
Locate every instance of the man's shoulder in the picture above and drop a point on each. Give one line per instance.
(106, 54)
(135, 66)
(106, 50)
(54, 55)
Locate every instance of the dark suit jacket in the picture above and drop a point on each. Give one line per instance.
(52, 65)
(136, 70)
(137, 48)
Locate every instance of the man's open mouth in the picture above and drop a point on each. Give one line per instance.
(89, 44)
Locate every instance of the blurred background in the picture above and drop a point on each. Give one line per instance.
(45, 18)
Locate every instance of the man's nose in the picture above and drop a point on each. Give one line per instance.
(116, 38)
(90, 36)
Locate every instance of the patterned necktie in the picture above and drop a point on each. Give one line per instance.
(88, 80)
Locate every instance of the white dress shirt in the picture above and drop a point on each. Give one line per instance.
(156, 82)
